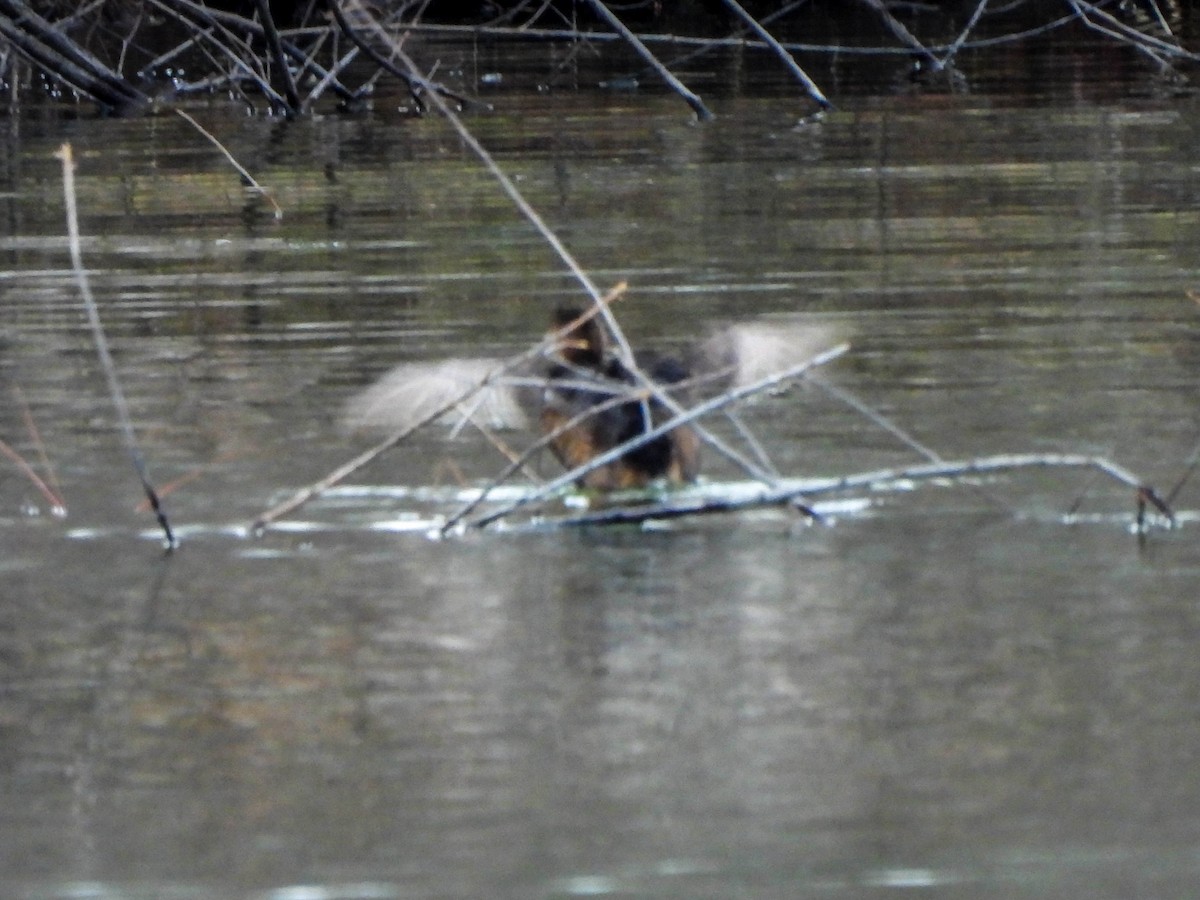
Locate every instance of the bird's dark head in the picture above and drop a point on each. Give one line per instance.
(582, 345)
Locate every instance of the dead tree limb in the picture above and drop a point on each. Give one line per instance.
(902, 34)
(777, 48)
(248, 179)
(947, 58)
(275, 45)
(697, 105)
(58, 506)
(39, 41)
(66, 156)
(1105, 23)
(415, 82)
(760, 497)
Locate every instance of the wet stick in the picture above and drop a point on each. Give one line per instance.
(60, 504)
(813, 487)
(106, 361)
(56, 502)
(241, 170)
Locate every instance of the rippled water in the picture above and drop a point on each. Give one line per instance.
(952, 689)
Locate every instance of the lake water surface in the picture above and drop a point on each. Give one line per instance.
(949, 690)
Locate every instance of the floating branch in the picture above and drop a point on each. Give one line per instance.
(620, 398)
(759, 497)
(106, 361)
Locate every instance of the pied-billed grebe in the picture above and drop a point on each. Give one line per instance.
(586, 377)
(587, 399)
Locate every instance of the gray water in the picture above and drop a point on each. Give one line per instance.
(948, 689)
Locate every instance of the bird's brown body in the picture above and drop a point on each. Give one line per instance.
(587, 399)
(592, 405)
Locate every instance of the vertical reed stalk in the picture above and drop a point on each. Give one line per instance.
(106, 361)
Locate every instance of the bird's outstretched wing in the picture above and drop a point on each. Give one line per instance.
(410, 393)
(744, 353)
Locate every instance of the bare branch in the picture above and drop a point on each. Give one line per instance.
(788, 60)
(110, 370)
(664, 73)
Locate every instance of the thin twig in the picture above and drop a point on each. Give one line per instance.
(1189, 469)
(1153, 47)
(903, 34)
(947, 58)
(57, 507)
(246, 176)
(187, 478)
(412, 78)
(40, 446)
(106, 361)
(705, 43)
(788, 60)
(199, 19)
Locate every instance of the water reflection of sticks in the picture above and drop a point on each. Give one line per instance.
(48, 487)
